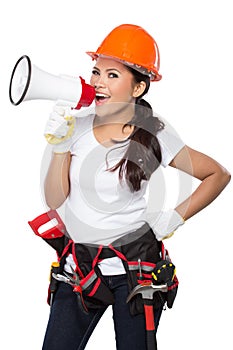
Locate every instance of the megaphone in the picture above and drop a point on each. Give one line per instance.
(28, 82)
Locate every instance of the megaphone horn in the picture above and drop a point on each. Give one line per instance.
(28, 82)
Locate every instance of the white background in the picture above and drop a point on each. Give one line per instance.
(195, 95)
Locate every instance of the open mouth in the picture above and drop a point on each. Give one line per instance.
(101, 98)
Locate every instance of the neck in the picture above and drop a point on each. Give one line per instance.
(117, 114)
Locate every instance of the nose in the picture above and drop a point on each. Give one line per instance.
(98, 86)
(99, 83)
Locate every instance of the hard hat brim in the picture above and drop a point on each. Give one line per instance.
(153, 74)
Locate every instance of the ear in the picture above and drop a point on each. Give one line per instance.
(139, 89)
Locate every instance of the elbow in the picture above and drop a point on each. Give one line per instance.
(53, 206)
(55, 202)
(228, 177)
(224, 177)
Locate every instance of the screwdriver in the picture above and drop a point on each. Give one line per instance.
(53, 282)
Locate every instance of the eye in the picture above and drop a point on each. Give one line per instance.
(113, 75)
(95, 72)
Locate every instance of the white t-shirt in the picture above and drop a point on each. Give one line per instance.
(100, 208)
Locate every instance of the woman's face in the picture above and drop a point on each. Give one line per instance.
(115, 87)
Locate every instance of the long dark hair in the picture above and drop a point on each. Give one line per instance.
(143, 155)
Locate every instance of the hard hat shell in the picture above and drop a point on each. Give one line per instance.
(133, 46)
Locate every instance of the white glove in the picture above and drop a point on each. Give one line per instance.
(164, 224)
(60, 128)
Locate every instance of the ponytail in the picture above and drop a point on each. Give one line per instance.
(143, 155)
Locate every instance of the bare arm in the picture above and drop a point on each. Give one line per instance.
(57, 185)
(212, 175)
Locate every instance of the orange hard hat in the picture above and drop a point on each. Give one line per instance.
(133, 46)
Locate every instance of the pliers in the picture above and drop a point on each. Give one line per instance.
(75, 283)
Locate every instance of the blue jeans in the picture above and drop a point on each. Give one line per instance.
(69, 328)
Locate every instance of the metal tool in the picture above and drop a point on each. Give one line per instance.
(140, 269)
(74, 281)
(147, 291)
(55, 266)
(62, 278)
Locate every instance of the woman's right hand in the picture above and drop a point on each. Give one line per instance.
(60, 128)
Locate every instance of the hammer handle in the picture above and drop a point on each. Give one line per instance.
(150, 327)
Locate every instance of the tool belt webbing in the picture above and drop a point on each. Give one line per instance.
(95, 293)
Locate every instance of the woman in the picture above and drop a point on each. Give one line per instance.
(101, 172)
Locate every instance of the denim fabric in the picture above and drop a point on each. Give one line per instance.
(69, 328)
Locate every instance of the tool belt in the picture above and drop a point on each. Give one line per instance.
(139, 251)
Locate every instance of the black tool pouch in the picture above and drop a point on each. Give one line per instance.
(172, 283)
(136, 304)
(95, 292)
(172, 292)
(140, 257)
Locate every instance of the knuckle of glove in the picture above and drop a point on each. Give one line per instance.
(56, 125)
(57, 117)
(61, 131)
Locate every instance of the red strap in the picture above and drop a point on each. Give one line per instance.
(67, 247)
(95, 260)
(163, 251)
(96, 286)
(119, 254)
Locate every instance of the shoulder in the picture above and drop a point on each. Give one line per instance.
(170, 142)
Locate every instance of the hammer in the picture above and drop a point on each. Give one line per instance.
(147, 291)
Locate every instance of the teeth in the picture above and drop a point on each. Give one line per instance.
(101, 95)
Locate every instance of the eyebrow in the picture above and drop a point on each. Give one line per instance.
(107, 70)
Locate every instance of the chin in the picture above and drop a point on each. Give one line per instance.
(113, 109)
